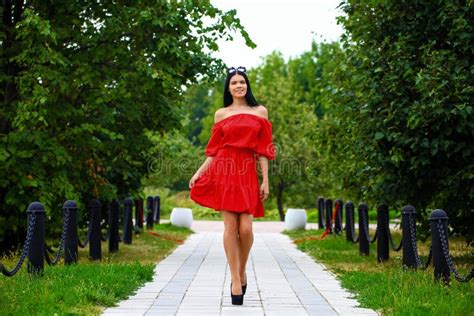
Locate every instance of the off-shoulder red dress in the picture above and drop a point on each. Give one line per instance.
(231, 181)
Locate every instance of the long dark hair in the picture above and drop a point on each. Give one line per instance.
(248, 96)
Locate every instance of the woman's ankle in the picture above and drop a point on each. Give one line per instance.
(236, 281)
(243, 278)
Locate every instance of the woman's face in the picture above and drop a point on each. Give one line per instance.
(237, 86)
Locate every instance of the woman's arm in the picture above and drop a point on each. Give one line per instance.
(218, 115)
(264, 187)
(263, 162)
(205, 165)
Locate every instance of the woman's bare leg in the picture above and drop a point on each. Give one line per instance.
(231, 247)
(245, 243)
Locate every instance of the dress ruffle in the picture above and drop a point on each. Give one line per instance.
(230, 197)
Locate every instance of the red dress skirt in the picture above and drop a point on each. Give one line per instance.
(231, 181)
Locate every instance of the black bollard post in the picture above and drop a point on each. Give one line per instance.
(71, 241)
(350, 229)
(382, 237)
(439, 235)
(95, 239)
(338, 219)
(36, 215)
(363, 229)
(156, 209)
(409, 237)
(127, 222)
(328, 212)
(320, 213)
(113, 226)
(139, 214)
(149, 212)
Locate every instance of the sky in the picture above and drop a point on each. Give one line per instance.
(288, 26)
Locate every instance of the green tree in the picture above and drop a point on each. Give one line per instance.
(82, 86)
(293, 126)
(409, 99)
(201, 100)
(316, 80)
(173, 161)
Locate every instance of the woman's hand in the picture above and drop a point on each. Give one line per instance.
(193, 180)
(264, 190)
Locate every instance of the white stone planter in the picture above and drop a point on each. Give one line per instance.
(295, 218)
(181, 217)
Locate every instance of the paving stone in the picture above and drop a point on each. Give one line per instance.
(195, 280)
(285, 313)
(123, 313)
(126, 311)
(136, 304)
(144, 295)
(242, 310)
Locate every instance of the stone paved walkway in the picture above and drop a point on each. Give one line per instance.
(195, 280)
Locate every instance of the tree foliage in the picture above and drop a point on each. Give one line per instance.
(173, 161)
(407, 95)
(82, 85)
(294, 122)
(384, 116)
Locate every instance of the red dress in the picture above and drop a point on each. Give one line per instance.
(231, 181)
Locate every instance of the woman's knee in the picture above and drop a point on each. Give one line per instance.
(245, 231)
(231, 223)
(245, 227)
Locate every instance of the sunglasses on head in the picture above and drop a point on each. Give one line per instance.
(238, 69)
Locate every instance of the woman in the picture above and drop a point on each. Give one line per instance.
(227, 181)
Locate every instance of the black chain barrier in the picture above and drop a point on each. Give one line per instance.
(383, 251)
(438, 251)
(61, 243)
(25, 251)
(37, 252)
(338, 219)
(320, 203)
(114, 226)
(149, 212)
(127, 222)
(413, 241)
(139, 215)
(390, 238)
(428, 260)
(350, 229)
(410, 250)
(364, 240)
(328, 213)
(449, 260)
(95, 245)
(113, 222)
(88, 234)
(366, 231)
(156, 209)
(88, 237)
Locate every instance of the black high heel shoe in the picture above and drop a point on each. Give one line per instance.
(244, 289)
(236, 299)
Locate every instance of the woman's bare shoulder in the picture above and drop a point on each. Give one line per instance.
(219, 115)
(262, 111)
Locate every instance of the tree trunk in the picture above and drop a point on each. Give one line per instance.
(281, 187)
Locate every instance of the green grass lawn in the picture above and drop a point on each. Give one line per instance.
(387, 287)
(89, 286)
